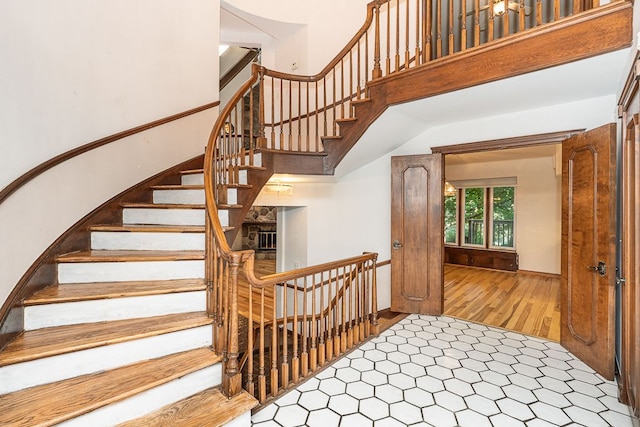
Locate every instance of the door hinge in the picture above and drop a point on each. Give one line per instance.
(620, 281)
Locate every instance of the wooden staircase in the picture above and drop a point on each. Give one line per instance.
(123, 334)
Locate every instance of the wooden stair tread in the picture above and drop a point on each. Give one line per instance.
(177, 187)
(132, 255)
(191, 171)
(237, 185)
(46, 342)
(360, 101)
(295, 153)
(331, 137)
(150, 228)
(347, 120)
(104, 290)
(208, 408)
(53, 403)
(162, 206)
(225, 206)
(251, 167)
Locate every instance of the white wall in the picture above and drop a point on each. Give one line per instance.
(353, 215)
(538, 207)
(74, 71)
(326, 27)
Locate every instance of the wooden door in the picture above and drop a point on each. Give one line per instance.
(417, 280)
(588, 247)
(630, 294)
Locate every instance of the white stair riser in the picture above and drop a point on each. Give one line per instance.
(198, 178)
(232, 196)
(179, 197)
(71, 313)
(89, 272)
(192, 179)
(111, 240)
(150, 400)
(223, 216)
(153, 216)
(43, 371)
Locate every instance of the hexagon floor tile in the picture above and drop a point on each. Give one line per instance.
(446, 372)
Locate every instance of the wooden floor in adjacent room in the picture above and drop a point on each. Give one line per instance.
(522, 302)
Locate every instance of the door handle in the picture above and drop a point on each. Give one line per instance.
(601, 268)
(397, 244)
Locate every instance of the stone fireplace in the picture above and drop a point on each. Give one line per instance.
(259, 231)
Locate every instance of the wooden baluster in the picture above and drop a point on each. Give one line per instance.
(352, 310)
(506, 30)
(438, 29)
(365, 300)
(274, 348)
(324, 104)
(377, 71)
(317, 135)
(250, 386)
(463, 26)
(358, 77)
(308, 121)
(476, 22)
(295, 363)
(281, 145)
(300, 115)
(388, 42)
(366, 60)
(342, 80)
(314, 327)
(490, 23)
(334, 105)
(285, 341)
(352, 88)
(539, 12)
(336, 321)
(397, 57)
(426, 31)
(374, 299)
(273, 114)
(290, 117)
(328, 316)
(420, 39)
(407, 55)
(209, 269)
(322, 350)
(232, 378)
(262, 377)
(522, 14)
(305, 331)
(344, 339)
(556, 10)
(451, 43)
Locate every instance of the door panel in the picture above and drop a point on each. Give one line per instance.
(588, 247)
(416, 234)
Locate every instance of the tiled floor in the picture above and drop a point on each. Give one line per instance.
(441, 371)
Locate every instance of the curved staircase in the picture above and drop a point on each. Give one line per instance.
(124, 333)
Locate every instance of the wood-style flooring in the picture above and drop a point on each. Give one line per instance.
(520, 301)
(523, 302)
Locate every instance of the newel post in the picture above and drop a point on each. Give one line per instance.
(375, 327)
(232, 377)
(261, 141)
(377, 71)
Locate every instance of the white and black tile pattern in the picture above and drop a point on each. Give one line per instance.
(441, 371)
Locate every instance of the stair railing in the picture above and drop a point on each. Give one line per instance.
(276, 111)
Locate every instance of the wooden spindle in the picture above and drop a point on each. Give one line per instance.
(426, 31)
(274, 350)
(438, 30)
(313, 362)
(273, 114)
(322, 351)
(328, 319)
(343, 312)
(476, 22)
(522, 16)
(295, 365)
(377, 71)
(451, 44)
(539, 12)
(285, 341)
(463, 26)
(397, 56)
(262, 378)
(556, 10)
(317, 135)
(281, 134)
(290, 115)
(249, 350)
(374, 298)
(232, 378)
(388, 41)
(333, 103)
(490, 23)
(308, 121)
(506, 30)
(300, 115)
(407, 54)
(336, 321)
(305, 331)
(324, 104)
(419, 37)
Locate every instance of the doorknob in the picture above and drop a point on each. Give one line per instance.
(397, 244)
(601, 268)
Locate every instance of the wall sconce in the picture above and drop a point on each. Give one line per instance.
(279, 188)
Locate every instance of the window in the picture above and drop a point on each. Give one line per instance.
(484, 217)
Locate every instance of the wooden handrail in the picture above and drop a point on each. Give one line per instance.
(55, 161)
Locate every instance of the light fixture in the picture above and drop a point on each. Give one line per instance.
(279, 188)
(500, 7)
(449, 190)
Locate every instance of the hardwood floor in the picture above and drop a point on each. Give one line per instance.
(523, 302)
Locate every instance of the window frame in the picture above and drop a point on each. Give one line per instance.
(456, 242)
(490, 244)
(464, 219)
